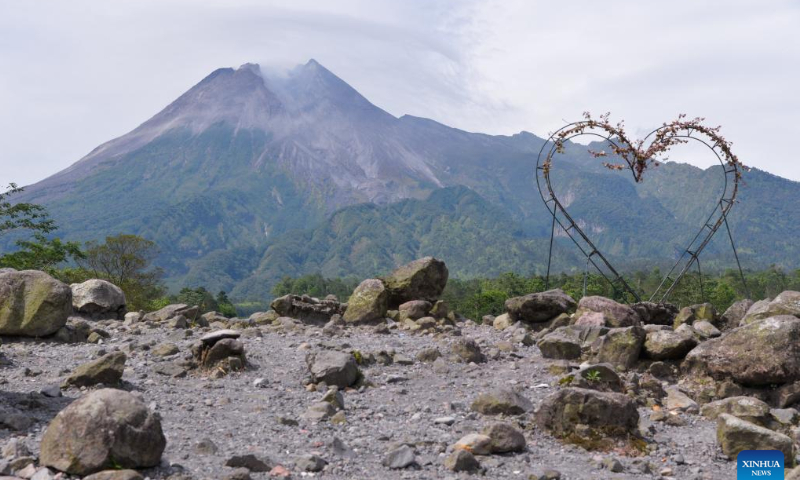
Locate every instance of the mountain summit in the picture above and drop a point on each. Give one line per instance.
(226, 177)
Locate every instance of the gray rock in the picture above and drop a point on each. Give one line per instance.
(368, 303)
(602, 413)
(539, 307)
(619, 347)
(615, 315)
(501, 402)
(667, 345)
(307, 309)
(746, 408)
(401, 457)
(467, 350)
(462, 461)
(115, 475)
(99, 298)
(735, 435)
(310, 463)
(655, 313)
(250, 462)
(211, 338)
(33, 303)
(103, 429)
(333, 368)
(422, 279)
(504, 438)
(171, 311)
(107, 370)
(413, 310)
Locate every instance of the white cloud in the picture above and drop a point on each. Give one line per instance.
(75, 74)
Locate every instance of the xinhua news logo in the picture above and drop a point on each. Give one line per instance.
(759, 464)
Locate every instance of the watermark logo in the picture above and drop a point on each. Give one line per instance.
(759, 464)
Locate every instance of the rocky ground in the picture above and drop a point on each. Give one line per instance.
(316, 388)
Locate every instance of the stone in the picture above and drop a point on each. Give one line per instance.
(221, 350)
(616, 315)
(98, 298)
(667, 345)
(706, 329)
(746, 408)
(211, 338)
(307, 309)
(504, 438)
(567, 411)
(655, 313)
(677, 400)
(786, 303)
(103, 429)
(250, 462)
(428, 355)
(413, 309)
(238, 474)
(368, 303)
(685, 317)
(501, 402)
(501, 322)
(735, 435)
(734, 314)
(757, 311)
(475, 443)
(764, 352)
(310, 463)
(33, 303)
(467, 350)
(599, 376)
(462, 460)
(165, 349)
(132, 318)
(171, 311)
(539, 307)
(561, 344)
(107, 370)
(422, 279)
(619, 347)
(401, 457)
(205, 447)
(264, 318)
(333, 368)
(115, 475)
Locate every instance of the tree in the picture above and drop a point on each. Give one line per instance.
(41, 253)
(125, 261)
(28, 216)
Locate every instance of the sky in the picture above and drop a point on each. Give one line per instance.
(76, 74)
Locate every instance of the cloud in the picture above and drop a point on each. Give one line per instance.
(76, 74)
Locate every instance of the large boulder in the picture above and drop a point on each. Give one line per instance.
(619, 347)
(764, 352)
(413, 310)
(368, 303)
(422, 279)
(614, 314)
(107, 370)
(307, 309)
(579, 411)
(501, 402)
(98, 298)
(172, 311)
(734, 314)
(568, 342)
(667, 345)
(105, 429)
(333, 368)
(746, 408)
(32, 303)
(735, 435)
(787, 303)
(655, 313)
(539, 307)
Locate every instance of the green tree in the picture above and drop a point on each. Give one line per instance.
(41, 253)
(27, 216)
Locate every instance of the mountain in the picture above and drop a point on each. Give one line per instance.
(247, 177)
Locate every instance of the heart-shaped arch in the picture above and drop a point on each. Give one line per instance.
(637, 157)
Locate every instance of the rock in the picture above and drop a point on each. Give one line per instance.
(413, 309)
(165, 349)
(42, 474)
(599, 376)
(209, 355)
(76, 330)
(615, 314)
(307, 309)
(467, 350)
(15, 448)
(333, 368)
(734, 314)
(211, 338)
(115, 475)
(705, 329)
(746, 408)
(677, 400)
(368, 303)
(501, 322)
(401, 457)
(205, 447)
(539, 307)
(98, 298)
(15, 419)
(571, 411)
(735, 435)
(170, 311)
(107, 370)
(132, 318)
(655, 313)
(104, 429)
(422, 279)
(462, 460)
(667, 345)
(619, 347)
(504, 438)
(612, 465)
(685, 317)
(757, 311)
(428, 355)
(439, 309)
(501, 402)
(310, 463)
(264, 318)
(761, 353)
(250, 462)
(475, 443)
(590, 319)
(562, 344)
(787, 303)
(238, 474)
(33, 303)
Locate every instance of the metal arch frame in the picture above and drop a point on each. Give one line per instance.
(690, 254)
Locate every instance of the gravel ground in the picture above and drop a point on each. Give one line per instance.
(241, 418)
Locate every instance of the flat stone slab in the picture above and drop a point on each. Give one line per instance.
(214, 337)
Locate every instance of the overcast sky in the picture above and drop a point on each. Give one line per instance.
(75, 74)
